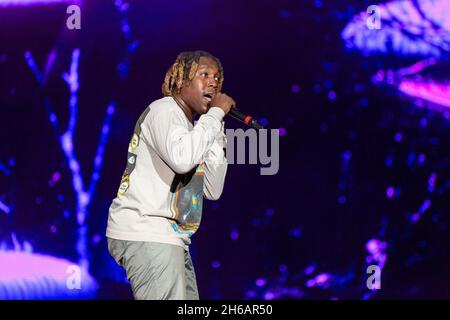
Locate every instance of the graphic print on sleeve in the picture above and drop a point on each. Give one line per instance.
(131, 156)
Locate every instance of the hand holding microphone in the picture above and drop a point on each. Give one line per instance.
(227, 104)
(223, 101)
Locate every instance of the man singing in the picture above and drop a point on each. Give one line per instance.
(171, 165)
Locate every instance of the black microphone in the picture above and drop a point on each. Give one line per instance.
(248, 120)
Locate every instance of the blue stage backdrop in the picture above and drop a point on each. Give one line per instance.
(359, 94)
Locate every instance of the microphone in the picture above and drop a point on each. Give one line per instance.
(248, 120)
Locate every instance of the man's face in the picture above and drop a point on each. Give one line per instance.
(199, 92)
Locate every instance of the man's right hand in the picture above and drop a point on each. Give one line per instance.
(223, 101)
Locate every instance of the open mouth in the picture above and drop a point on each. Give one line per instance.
(208, 97)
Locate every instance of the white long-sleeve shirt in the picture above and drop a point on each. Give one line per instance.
(171, 165)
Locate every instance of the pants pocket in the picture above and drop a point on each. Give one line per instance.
(116, 250)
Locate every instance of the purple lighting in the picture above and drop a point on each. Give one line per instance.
(310, 269)
(434, 92)
(234, 234)
(295, 88)
(376, 249)
(402, 21)
(375, 246)
(264, 122)
(124, 66)
(96, 239)
(34, 68)
(421, 159)
(55, 178)
(390, 192)
(35, 276)
(410, 29)
(425, 206)
(269, 296)
(321, 280)
(332, 95)
(415, 217)
(389, 161)
(261, 282)
(83, 194)
(283, 268)
(296, 232)
(432, 182)
(5, 169)
(347, 155)
(4, 208)
(423, 122)
(26, 3)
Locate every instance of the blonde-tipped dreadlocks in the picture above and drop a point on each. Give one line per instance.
(184, 69)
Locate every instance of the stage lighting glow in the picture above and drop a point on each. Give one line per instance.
(26, 3)
(31, 276)
(410, 29)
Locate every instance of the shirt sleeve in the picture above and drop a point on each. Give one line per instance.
(216, 166)
(182, 149)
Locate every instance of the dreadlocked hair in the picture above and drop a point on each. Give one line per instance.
(183, 70)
